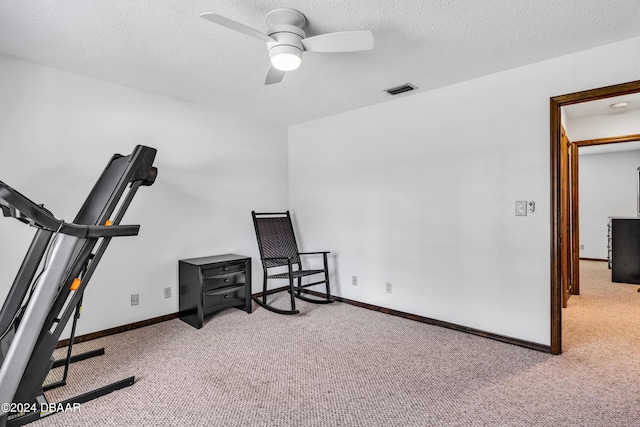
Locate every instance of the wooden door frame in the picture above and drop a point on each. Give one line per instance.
(575, 220)
(567, 226)
(559, 189)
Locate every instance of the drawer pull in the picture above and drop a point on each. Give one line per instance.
(226, 280)
(226, 296)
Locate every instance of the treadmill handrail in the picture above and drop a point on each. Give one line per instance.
(20, 207)
(96, 231)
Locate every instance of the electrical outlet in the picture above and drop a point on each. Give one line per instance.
(581, 247)
(135, 299)
(354, 280)
(532, 206)
(388, 287)
(167, 292)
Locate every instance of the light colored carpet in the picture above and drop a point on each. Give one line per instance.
(340, 365)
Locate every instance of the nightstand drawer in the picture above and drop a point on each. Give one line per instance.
(223, 296)
(209, 272)
(223, 280)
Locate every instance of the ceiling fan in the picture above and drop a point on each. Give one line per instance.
(286, 39)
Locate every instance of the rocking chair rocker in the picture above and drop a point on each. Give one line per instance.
(278, 248)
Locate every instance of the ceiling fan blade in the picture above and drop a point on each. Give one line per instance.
(273, 75)
(345, 41)
(236, 26)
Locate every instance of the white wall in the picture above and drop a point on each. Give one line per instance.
(607, 187)
(57, 132)
(420, 192)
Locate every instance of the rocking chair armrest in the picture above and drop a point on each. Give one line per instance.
(314, 253)
(277, 258)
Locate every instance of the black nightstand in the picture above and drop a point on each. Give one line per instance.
(211, 284)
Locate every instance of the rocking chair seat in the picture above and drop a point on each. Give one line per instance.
(296, 274)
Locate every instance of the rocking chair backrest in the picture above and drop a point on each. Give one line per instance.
(275, 238)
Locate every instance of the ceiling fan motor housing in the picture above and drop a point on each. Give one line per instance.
(287, 37)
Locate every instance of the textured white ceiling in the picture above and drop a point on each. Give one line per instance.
(163, 46)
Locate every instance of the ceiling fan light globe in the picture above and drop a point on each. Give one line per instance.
(285, 58)
(286, 62)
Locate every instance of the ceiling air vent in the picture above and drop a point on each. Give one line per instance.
(400, 89)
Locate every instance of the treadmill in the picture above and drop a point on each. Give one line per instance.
(49, 285)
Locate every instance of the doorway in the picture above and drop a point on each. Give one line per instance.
(564, 258)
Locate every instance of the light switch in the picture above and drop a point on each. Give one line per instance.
(521, 208)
